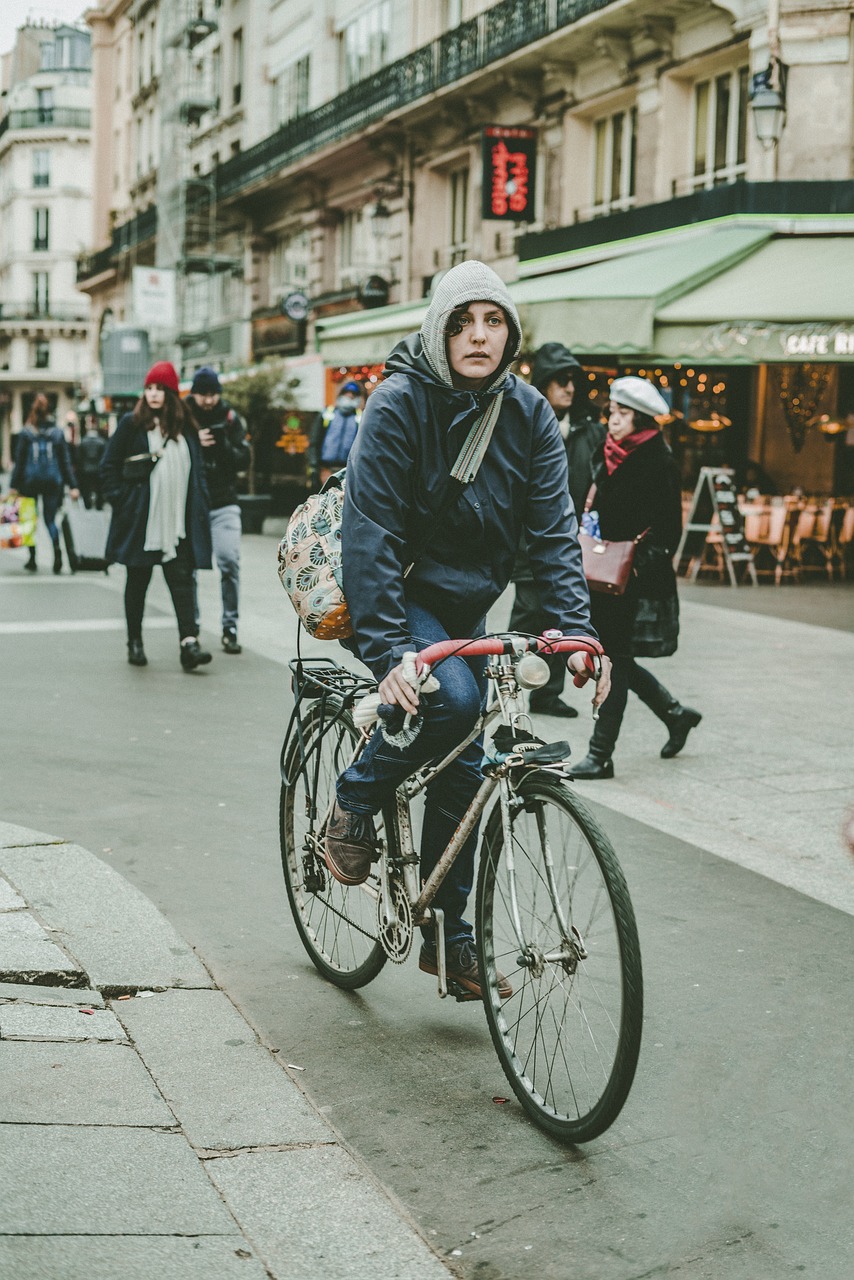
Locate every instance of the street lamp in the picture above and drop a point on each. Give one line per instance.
(767, 98)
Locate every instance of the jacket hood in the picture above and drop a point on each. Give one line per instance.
(551, 359)
(469, 282)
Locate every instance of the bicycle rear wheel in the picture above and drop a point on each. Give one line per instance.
(569, 1036)
(337, 923)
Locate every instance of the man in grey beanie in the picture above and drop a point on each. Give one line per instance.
(558, 376)
(439, 383)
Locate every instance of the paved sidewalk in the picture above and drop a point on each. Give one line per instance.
(144, 1129)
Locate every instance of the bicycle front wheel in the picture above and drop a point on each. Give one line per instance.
(337, 923)
(554, 916)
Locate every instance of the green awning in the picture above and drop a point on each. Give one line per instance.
(366, 337)
(611, 306)
(792, 300)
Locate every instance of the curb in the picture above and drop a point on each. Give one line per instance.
(149, 1126)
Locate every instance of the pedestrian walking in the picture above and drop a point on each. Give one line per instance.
(557, 375)
(154, 476)
(225, 449)
(637, 489)
(43, 469)
(90, 454)
(333, 432)
(440, 384)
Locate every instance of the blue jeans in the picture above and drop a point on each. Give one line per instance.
(225, 537)
(449, 714)
(51, 502)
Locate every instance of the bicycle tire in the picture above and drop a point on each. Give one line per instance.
(568, 1038)
(337, 923)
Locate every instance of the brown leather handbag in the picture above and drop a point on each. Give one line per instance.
(607, 565)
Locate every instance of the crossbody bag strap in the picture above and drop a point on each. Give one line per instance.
(463, 471)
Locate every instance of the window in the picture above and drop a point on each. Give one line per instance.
(236, 68)
(615, 152)
(720, 129)
(44, 106)
(216, 74)
(41, 228)
(365, 44)
(41, 355)
(459, 215)
(41, 168)
(41, 293)
(289, 261)
(140, 59)
(290, 92)
(359, 251)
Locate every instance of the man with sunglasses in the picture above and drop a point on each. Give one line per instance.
(559, 377)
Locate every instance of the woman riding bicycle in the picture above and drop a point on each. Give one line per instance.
(460, 556)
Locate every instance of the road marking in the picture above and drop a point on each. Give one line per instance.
(77, 624)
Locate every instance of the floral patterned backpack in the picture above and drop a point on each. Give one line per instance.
(310, 562)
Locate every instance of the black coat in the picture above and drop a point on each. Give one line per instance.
(129, 500)
(644, 492)
(227, 456)
(397, 475)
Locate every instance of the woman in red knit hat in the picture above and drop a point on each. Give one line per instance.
(154, 477)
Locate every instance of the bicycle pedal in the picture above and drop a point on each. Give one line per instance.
(460, 993)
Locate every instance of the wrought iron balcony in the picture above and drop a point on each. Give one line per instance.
(23, 312)
(492, 35)
(142, 227)
(47, 118)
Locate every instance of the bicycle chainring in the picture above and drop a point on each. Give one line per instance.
(396, 934)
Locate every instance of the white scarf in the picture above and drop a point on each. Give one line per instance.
(168, 502)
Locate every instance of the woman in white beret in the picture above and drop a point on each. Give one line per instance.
(637, 488)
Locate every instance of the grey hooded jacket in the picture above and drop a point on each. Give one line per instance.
(412, 429)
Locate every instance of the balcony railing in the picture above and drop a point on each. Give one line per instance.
(47, 118)
(142, 227)
(498, 31)
(28, 311)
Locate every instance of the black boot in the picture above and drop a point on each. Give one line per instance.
(31, 565)
(193, 655)
(680, 721)
(591, 769)
(230, 643)
(57, 558)
(136, 654)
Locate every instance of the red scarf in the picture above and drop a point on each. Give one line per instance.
(617, 451)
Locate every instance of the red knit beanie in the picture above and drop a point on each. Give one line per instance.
(163, 373)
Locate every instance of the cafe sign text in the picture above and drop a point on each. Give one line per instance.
(837, 341)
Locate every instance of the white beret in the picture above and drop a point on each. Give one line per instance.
(640, 394)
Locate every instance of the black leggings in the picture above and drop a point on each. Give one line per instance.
(179, 579)
(626, 674)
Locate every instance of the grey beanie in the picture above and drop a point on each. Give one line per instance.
(469, 282)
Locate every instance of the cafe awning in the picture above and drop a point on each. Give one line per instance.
(791, 300)
(610, 307)
(366, 337)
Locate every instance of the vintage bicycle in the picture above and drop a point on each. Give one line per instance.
(553, 912)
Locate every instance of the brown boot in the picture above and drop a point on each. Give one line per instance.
(349, 845)
(462, 967)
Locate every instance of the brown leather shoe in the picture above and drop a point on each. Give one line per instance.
(349, 845)
(462, 967)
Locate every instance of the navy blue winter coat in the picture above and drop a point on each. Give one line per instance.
(398, 471)
(129, 500)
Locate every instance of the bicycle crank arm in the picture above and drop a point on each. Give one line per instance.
(439, 934)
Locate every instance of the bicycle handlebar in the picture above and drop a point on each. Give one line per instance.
(485, 645)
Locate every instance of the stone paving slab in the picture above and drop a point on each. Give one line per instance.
(27, 953)
(313, 1212)
(51, 1022)
(73, 1180)
(128, 1257)
(117, 934)
(12, 835)
(34, 993)
(226, 1089)
(77, 1084)
(10, 900)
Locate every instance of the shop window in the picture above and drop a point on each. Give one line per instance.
(41, 355)
(720, 129)
(364, 44)
(41, 229)
(459, 211)
(614, 162)
(41, 168)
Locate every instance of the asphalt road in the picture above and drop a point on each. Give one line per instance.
(731, 1160)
